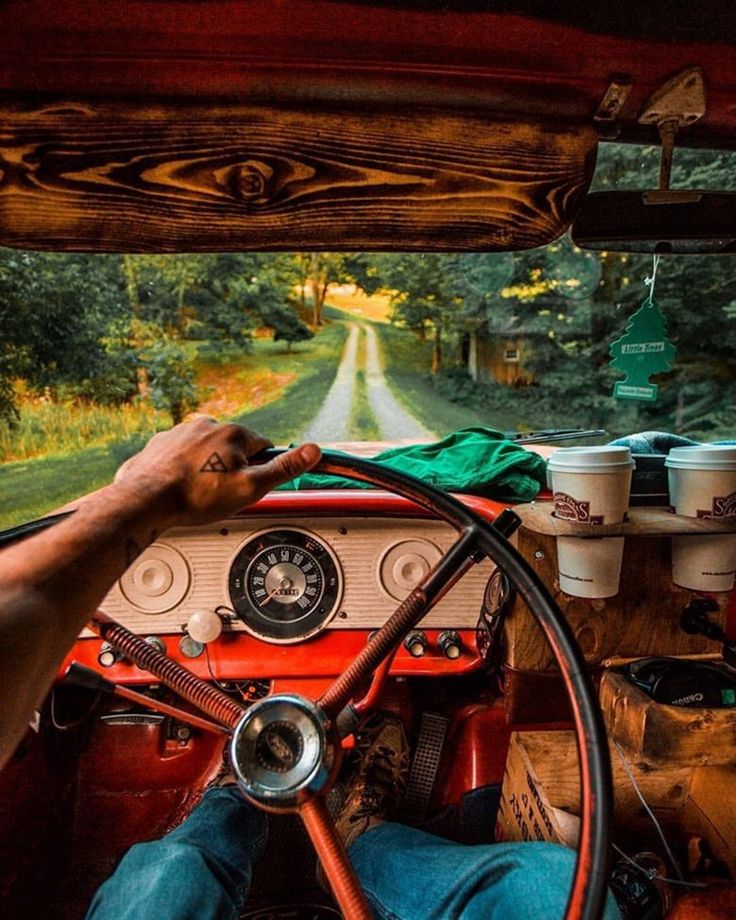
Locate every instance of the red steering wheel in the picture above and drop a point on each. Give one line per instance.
(285, 749)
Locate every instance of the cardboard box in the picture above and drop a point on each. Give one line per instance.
(541, 789)
(526, 812)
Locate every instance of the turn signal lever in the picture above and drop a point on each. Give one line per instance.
(695, 622)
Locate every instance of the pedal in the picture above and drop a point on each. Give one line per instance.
(424, 767)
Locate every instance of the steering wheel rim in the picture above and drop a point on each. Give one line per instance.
(590, 882)
(589, 887)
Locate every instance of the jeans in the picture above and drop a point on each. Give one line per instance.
(202, 871)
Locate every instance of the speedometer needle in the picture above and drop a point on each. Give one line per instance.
(284, 583)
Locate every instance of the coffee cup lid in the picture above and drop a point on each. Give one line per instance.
(603, 459)
(702, 457)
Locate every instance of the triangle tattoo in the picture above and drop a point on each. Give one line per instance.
(214, 464)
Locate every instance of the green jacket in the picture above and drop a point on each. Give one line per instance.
(479, 461)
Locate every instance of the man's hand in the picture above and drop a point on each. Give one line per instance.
(199, 472)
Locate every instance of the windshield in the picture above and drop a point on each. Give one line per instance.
(98, 352)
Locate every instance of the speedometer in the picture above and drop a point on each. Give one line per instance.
(285, 585)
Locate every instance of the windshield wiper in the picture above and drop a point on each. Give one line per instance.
(21, 531)
(553, 434)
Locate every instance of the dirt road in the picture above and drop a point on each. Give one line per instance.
(333, 422)
(394, 422)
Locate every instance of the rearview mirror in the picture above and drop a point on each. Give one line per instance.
(667, 221)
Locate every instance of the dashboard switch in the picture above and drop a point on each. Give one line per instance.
(204, 626)
(189, 647)
(108, 655)
(416, 643)
(450, 643)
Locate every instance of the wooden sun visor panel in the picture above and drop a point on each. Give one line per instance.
(126, 178)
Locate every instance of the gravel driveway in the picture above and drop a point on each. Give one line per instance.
(394, 422)
(332, 422)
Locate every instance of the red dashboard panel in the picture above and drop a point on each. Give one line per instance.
(238, 656)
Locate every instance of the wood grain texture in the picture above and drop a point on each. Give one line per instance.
(642, 619)
(116, 177)
(640, 521)
(710, 810)
(552, 759)
(660, 734)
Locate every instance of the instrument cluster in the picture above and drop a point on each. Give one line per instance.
(285, 580)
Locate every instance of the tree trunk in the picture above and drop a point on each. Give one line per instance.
(315, 284)
(131, 284)
(322, 297)
(437, 351)
(181, 309)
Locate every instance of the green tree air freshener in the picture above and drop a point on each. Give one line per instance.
(642, 350)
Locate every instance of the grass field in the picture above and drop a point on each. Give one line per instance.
(406, 366)
(285, 417)
(351, 300)
(269, 389)
(49, 427)
(30, 489)
(363, 425)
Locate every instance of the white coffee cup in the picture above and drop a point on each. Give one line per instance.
(702, 483)
(590, 486)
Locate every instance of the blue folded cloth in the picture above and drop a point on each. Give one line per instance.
(657, 442)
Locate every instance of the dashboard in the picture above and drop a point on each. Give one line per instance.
(293, 588)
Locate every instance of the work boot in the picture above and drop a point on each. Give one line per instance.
(376, 789)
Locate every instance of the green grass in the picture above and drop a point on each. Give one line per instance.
(407, 360)
(49, 427)
(363, 425)
(32, 488)
(284, 419)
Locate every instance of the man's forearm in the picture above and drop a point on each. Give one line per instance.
(49, 587)
(52, 582)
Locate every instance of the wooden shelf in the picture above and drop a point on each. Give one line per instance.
(640, 522)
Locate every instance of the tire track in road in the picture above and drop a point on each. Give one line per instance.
(332, 422)
(393, 420)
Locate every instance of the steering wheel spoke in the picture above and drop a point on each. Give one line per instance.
(433, 587)
(334, 859)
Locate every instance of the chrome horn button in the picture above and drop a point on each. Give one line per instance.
(280, 750)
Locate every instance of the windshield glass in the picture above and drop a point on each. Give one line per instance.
(98, 352)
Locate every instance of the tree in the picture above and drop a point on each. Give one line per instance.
(54, 313)
(172, 374)
(325, 269)
(427, 295)
(287, 326)
(239, 291)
